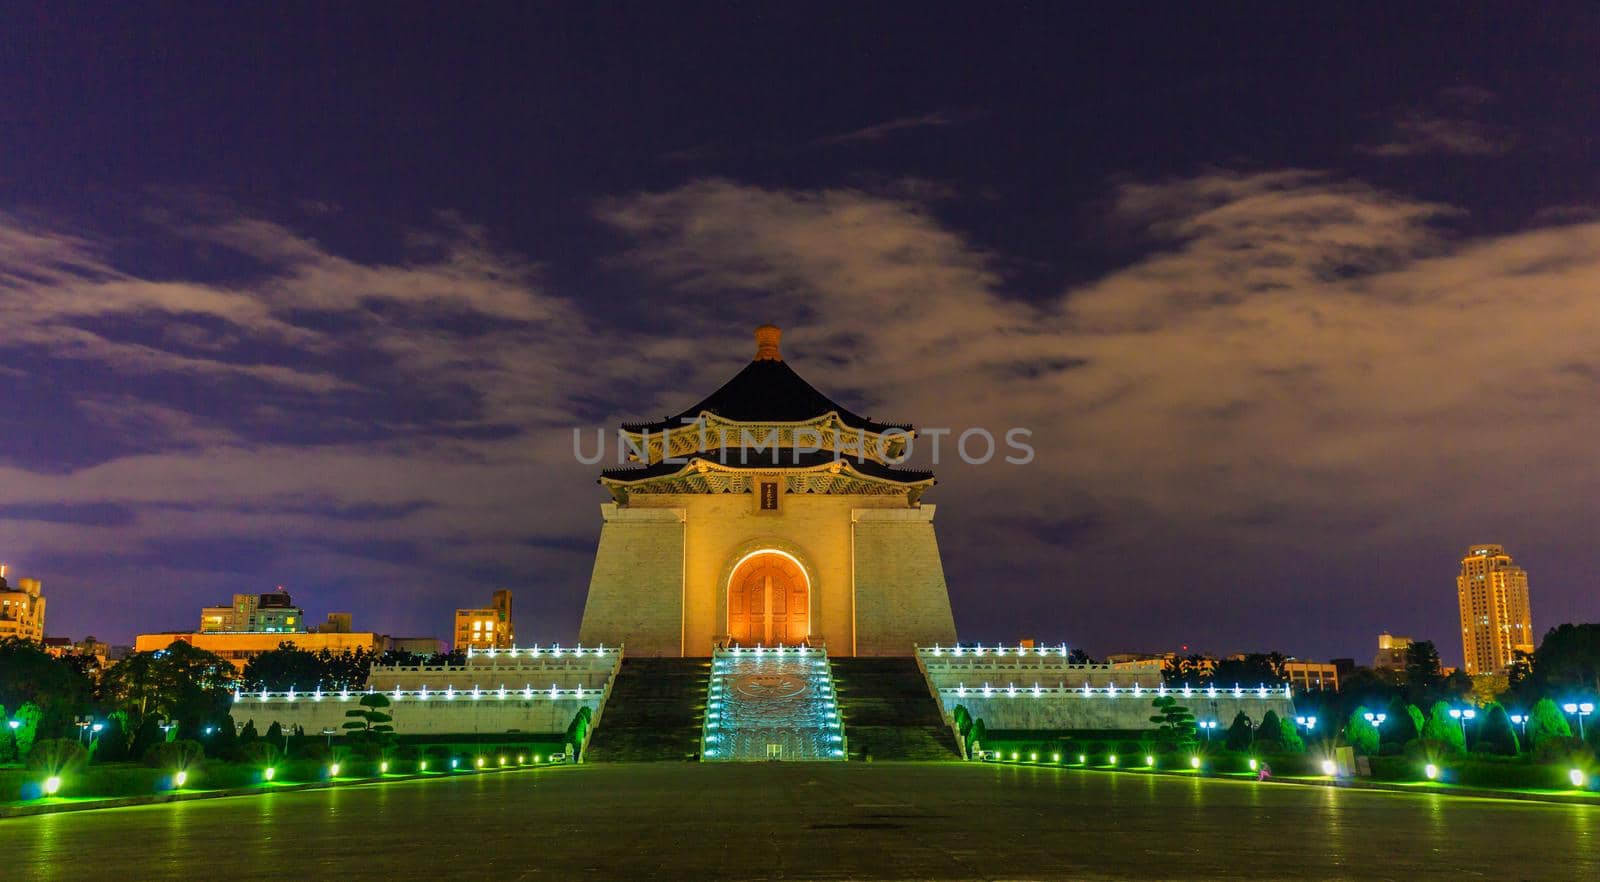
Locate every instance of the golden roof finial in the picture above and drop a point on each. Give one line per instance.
(767, 337)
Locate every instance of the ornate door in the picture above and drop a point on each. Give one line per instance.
(768, 602)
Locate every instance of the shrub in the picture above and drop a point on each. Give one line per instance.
(1495, 734)
(1547, 721)
(175, 755)
(1269, 735)
(1400, 727)
(1240, 734)
(263, 753)
(1360, 734)
(1441, 729)
(57, 755)
(1565, 751)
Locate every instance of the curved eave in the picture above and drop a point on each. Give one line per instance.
(624, 478)
(848, 420)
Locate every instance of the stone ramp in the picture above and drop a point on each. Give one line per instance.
(888, 711)
(654, 713)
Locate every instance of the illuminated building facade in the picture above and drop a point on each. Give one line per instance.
(1311, 676)
(487, 627)
(273, 612)
(21, 609)
(767, 514)
(1495, 617)
(241, 646)
(1391, 652)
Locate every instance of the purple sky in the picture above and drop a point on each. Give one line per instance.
(1297, 306)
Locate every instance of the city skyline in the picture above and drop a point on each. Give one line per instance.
(1280, 311)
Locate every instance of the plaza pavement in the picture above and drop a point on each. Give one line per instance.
(813, 821)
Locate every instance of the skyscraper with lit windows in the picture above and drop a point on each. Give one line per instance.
(1495, 617)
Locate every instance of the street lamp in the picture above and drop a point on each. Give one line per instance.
(1521, 722)
(1375, 719)
(1462, 715)
(1581, 710)
(1206, 726)
(166, 729)
(1308, 722)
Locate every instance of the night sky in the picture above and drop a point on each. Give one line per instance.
(1298, 303)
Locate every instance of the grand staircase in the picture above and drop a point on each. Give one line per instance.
(888, 712)
(772, 704)
(655, 711)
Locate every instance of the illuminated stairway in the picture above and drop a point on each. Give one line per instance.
(771, 704)
(654, 711)
(888, 712)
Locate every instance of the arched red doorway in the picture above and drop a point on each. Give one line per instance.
(769, 601)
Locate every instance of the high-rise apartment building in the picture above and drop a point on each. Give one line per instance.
(21, 609)
(1495, 618)
(487, 627)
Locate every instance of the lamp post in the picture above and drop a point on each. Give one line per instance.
(1375, 719)
(1206, 726)
(1581, 710)
(1462, 715)
(330, 733)
(166, 729)
(1521, 722)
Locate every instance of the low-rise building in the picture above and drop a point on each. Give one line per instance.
(487, 627)
(1391, 652)
(273, 612)
(240, 646)
(21, 609)
(1312, 676)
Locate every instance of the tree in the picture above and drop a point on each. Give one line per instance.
(287, 667)
(1424, 675)
(1440, 728)
(1254, 669)
(115, 740)
(1546, 721)
(1495, 734)
(1240, 734)
(1289, 740)
(248, 735)
(56, 688)
(1175, 723)
(1457, 686)
(1269, 735)
(1360, 734)
(1567, 661)
(183, 684)
(369, 723)
(27, 731)
(1487, 688)
(1193, 670)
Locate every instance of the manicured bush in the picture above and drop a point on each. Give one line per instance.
(1399, 728)
(57, 756)
(1443, 730)
(1495, 734)
(1547, 721)
(1360, 734)
(1240, 734)
(1269, 735)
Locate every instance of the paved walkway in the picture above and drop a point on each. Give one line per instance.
(807, 821)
